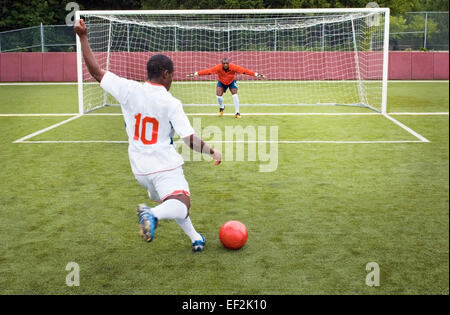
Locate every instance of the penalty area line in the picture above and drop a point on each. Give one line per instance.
(295, 114)
(37, 83)
(21, 140)
(238, 141)
(72, 141)
(421, 114)
(415, 134)
(37, 115)
(257, 114)
(244, 114)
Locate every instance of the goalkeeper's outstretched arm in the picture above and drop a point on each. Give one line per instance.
(213, 70)
(242, 70)
(89, 58)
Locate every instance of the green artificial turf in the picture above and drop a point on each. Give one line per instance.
(314, 223)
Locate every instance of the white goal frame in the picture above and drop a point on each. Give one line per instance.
(385, 11)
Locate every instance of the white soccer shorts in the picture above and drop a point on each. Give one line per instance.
(164, 184)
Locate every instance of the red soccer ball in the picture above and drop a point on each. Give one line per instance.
(233, 234)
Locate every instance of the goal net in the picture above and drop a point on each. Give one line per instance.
(309, 56)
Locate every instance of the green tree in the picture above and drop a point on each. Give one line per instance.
(430, 5)
(20, 14)
(244, 4)
(202, 4)
(26, 13)
(109, 4)
(396, 6)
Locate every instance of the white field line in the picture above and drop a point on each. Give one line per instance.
(240, 141)
(73, 141)
(318, 114)
(420, 137)
(37, 115)
(256, 114)
(421, 114)
(38, 83)
(244, 114)
(312, 141)
(417, 81)
(240, 81)
(289, 114)
(259, 105)
(230, 114)
(257, 81)
(415, 134)
(46, 129)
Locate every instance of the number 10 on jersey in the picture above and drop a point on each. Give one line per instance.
(140, 129)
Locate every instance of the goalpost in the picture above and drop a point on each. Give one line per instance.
(309, 56)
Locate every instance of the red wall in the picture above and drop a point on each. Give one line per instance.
(23, 67)
(51, 67)
(415, 65)
(440, 66)
(295, 65)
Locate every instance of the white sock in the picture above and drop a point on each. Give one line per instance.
(220, 101)
(236, 102)
(171, 209)
(188, 228)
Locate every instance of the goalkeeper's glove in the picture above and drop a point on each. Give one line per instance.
(259, 75)
(190, 75)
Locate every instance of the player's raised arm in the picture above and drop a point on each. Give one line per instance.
(198, 145)
(89, 58)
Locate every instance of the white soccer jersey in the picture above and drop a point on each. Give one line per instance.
(151, 115)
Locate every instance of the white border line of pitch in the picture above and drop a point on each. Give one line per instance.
(219, 142)
(409, 130)
(246, 114)
(241, 81)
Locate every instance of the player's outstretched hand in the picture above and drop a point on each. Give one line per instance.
(80, 28)
(190, 75)
(259, 75)
(217, 156)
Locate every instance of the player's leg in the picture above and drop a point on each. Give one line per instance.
(172, 190)
(177, 190)
(234, 91)
(198, 241)
(220, 89)
(147, 221)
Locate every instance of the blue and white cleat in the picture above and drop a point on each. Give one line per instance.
(147, 222)
(199, 246)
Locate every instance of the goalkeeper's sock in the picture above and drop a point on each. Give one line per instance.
(220, 101)
(171, 209)
(188, 228)
(236, 102)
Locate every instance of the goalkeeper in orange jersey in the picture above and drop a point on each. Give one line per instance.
(227, 80)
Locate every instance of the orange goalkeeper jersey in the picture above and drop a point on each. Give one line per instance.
(226, 77)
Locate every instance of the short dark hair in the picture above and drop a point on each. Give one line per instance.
(157, 64)
(225, 59)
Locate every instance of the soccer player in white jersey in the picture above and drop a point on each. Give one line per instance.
(152, 115)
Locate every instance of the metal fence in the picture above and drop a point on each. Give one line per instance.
(43, 38)
(411, 31)
(419, 31)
